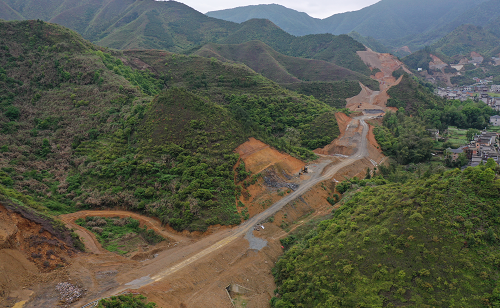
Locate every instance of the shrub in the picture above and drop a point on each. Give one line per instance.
(129, 300)
(12, 113)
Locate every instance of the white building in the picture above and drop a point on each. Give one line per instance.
(495, 120)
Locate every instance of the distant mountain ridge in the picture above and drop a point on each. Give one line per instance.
(173, 26)
(466, 39)
(393, 22)
(292, 21)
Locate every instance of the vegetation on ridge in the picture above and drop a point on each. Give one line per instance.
(83, 127)
(433, 241)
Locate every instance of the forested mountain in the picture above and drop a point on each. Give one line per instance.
(466, 39)
(129, 24)
(485, 14)
(432, 241)
(292, 21)
(175, 27)
(153, 131)
(369, 42)
(280, 68)
(394, 22)
(340, 50)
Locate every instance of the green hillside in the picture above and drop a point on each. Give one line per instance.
(153, 131)
(280, 68)
(494, 27)
(332, 93)
(369, 42)
(422, 58)
(465, 39)
(7, 13)
(430, 242)
(173, 26)
(129, 24)
(340, 50)
(291, 21)
(482, 14)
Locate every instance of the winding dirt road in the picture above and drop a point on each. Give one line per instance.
(321, 172)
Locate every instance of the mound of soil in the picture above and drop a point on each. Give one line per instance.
(259, 156)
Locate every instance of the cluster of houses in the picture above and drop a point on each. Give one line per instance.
(477, 92)
(484, 146)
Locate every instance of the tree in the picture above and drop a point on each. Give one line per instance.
(12, 113)
(471, 132)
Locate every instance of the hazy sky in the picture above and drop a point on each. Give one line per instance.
(317, 8)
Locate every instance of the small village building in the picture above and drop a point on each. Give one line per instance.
(455, 153)
(476, 58)
(495, 88)
(495, 120)
(434, 133)
(495, 104)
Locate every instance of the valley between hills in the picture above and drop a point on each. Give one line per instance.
(193, 269)
(155, 156)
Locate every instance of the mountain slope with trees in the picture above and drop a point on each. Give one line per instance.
(153, 131)
(292, 21)
(432, 241)
(394, 23)
(466, 39)
(173, 26)
(280, 68)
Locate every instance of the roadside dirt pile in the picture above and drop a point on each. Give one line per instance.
(279, 174)
(259, 156)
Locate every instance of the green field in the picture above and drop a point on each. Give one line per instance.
(494, 129)
(457, 137)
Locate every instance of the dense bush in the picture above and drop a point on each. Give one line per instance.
(125, 301)
(430, 241)
(404, 138)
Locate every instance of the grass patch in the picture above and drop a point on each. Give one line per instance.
(120, 235)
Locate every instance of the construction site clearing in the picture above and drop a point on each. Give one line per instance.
(226, 266)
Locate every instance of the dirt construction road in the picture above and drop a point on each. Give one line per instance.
(322, 171)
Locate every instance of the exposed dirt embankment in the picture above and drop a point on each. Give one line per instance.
(93, 246)
(28, 253)
(386, 64)
(259, 156)
(279, 173)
